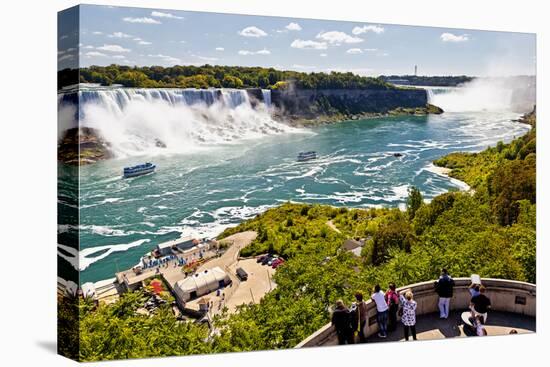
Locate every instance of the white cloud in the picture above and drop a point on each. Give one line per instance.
(323, 55)
(260, 52)
(308, 44)
(368, 28)
(95, 54)
(65, 57)
(159, 14)
(449, 37)
(144, 43)
(370, 49)
(337, 37)
(205, 58)
(166, 58)
(354, 51)
(119, 35)
(252, 32)
(88, 47)
(293, 27)
(220, 49)
(113, 48)
(119, 57)
(300, 66)
(97, 33)
(143, 20)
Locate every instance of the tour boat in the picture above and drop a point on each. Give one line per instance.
(306, 156)
(139, 170)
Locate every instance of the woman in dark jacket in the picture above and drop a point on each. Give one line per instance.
(342, 322)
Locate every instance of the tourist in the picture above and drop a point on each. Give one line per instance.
(444, 288)
(360, 319)
(408, 318)
(478, 325)
(392, 298)
(474, 289)
(382, 311)
(480, 304)
(341, 320)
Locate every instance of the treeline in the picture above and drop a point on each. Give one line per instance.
(432, 81)
(490, 231)
(207, 76)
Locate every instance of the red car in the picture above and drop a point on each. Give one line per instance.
(277, 262)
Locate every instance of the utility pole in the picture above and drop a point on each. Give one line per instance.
(415, 70)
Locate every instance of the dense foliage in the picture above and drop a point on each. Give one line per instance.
(223, 76)
(465, 232)
(504, 175)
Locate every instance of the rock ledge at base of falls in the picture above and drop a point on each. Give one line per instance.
(83, 145)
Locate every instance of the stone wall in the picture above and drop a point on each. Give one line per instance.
(506, 296)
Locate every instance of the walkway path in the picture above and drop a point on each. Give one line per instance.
(332, 226)
(229, 257)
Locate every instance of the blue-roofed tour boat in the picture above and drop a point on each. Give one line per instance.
(139, 170)
(306, 156)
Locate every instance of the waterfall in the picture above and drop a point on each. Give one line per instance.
(135, 120)
(267, 97)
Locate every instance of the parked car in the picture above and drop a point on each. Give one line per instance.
(270, 262)
(242, 274)
(261, 258)
(267, 259)
(278, 262)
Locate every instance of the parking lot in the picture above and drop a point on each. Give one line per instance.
(259, 282)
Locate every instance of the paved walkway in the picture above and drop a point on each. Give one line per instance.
(332, 226)
(229, 257)
(430, 327)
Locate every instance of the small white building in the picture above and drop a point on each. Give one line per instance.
(200, 284)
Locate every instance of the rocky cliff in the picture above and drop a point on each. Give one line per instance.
(306, 106)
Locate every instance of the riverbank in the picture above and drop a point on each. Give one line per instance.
(335, 118)
(476, 169)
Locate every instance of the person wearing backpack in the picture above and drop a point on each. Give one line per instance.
(444, 288)
(392, 298)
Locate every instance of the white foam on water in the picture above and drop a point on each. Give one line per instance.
(86, 259)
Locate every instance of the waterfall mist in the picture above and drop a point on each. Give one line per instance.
(515, 94)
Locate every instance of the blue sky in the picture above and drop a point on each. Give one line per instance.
(139, 36)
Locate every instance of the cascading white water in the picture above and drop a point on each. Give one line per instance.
(140, 121)
(267, 97)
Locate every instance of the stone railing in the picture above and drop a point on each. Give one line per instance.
(506, 296)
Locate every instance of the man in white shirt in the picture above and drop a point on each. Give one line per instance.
(382, 311)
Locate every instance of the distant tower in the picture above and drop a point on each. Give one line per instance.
(415, 69)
